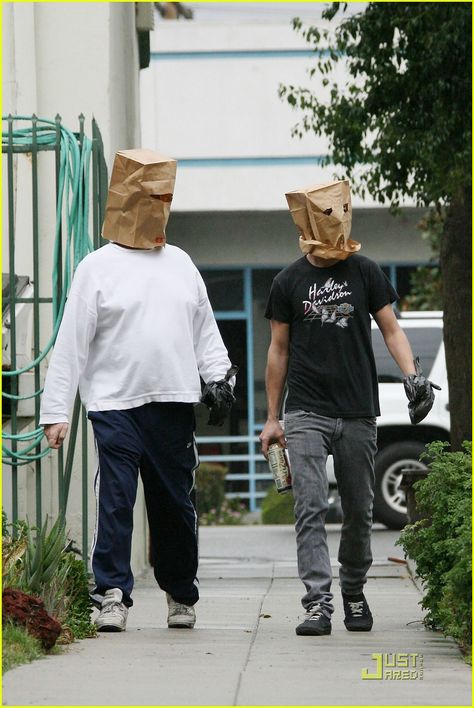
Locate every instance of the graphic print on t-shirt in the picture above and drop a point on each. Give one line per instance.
(322, 303)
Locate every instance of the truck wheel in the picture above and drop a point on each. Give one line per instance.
(389, 501)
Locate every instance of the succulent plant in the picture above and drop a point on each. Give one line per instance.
(43, 555)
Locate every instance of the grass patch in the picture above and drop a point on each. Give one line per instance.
(18, 647)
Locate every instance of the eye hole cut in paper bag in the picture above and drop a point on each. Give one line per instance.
(323, 217)
(139, 200)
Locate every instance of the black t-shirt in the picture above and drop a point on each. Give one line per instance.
(331, 366)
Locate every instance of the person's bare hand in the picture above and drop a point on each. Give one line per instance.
(272, 432)
(55, 434)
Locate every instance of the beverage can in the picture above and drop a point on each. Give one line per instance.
(279, 467)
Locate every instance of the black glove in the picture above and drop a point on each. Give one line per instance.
(218, 397)
(420, 394)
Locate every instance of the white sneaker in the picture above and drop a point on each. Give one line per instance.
(180, 616)
(113, 613)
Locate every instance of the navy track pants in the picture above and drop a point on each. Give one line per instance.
(157, 441)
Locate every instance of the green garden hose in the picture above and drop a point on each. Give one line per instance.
(73, 199)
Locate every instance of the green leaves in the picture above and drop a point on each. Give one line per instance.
(12, 552)
(405, 111)
(41, 564)
(278, 508)
(440, 543)
(72, 597)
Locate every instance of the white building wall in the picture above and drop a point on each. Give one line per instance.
(211, 94)
(72, 58)
(210, 100)
(66, 58)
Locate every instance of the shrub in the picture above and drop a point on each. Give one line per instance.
(43, 566)
(29, 612)
(78, 617)
(210, 489)
(440, 543)
(13, 550)
(230, 512)
(66, 598)
(212, 506)
(278, 508)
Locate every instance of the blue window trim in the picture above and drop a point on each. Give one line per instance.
(230, 314)
(248, 306)
(179, 55)
(251, 161)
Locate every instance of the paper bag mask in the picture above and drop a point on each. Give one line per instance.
(139, 199)
(323, 216)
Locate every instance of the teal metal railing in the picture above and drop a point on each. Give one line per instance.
(78, 160)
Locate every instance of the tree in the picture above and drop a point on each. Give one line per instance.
(400, 126)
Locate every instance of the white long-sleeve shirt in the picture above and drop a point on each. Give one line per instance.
(137, 327)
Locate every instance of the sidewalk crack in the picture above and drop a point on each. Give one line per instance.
(253, 638)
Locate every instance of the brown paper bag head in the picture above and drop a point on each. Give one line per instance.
(323, 216)
(139, 200)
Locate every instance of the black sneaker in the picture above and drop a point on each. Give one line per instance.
(358, 617)
(315, 622)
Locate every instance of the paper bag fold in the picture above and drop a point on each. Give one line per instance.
(139, 200)
(323, 217)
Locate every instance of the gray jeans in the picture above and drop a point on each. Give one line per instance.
(353, 444)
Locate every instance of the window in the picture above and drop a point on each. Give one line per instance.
(399, 276)
(225, 289)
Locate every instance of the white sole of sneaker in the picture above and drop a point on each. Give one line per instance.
(177, 623)
(109, 628)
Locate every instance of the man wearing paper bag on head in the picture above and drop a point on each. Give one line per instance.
(320, 308)
(139, 200)
(137, 336)
(323, 218)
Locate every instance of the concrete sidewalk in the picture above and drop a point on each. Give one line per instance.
(244, 650)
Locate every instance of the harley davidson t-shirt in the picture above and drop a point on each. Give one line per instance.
(331, 367)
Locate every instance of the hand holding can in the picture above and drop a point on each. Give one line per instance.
(279, 467)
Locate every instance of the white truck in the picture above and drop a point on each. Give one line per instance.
(399, 442)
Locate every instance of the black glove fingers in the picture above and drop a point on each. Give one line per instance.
(218, 397)
(420, 393)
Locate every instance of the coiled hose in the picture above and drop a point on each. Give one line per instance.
(73, 198)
